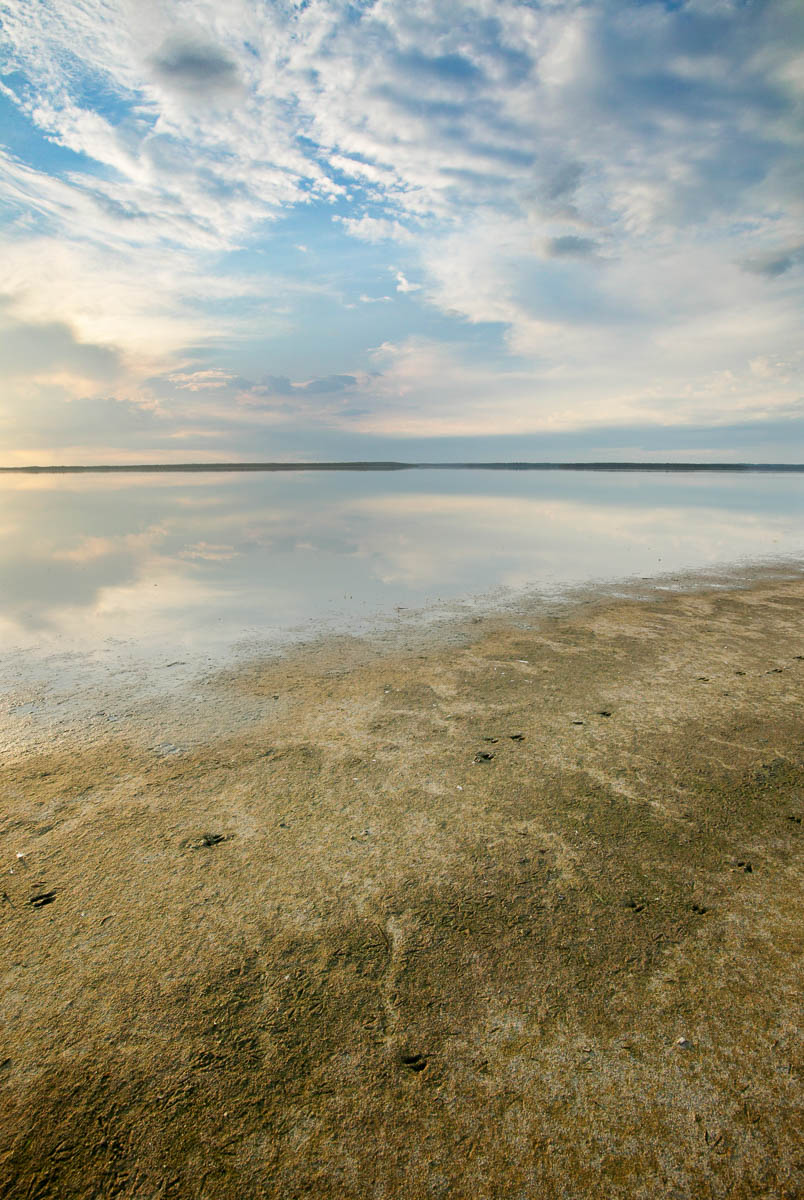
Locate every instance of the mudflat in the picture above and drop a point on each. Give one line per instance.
(514, 913)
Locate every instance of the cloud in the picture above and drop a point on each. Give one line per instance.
(195, 66)
(210, 552)
(281, 385)
(571, 246)
(39, 349)
(202, 381)
(570, 186)
(426, 107)
(423, 388)
(278, 385)
(776, 263)
(557, 188)
(375, 229)
(404, 285)
(332, 383)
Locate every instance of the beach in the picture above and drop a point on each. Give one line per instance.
(511, 910)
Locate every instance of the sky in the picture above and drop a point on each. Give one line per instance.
(422, 230)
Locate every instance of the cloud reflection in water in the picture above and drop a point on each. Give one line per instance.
(196, 564)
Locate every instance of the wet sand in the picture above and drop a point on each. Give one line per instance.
(513, 913)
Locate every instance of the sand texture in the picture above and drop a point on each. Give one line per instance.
(515, 914)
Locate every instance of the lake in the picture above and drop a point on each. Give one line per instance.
(99, 571)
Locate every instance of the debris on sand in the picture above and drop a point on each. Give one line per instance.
(208, 840)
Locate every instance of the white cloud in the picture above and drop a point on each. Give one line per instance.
(403, 284)
(426, 389)
(616, 186)
(202, 381)
(375, 229)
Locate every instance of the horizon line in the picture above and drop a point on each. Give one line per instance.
(381, 465)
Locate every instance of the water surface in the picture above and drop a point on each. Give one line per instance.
(121, 568)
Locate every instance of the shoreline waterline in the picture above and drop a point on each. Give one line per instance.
(216, 467)
(52, 692)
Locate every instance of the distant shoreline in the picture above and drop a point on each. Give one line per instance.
(660, 467)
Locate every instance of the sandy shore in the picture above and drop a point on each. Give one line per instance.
(514, 914)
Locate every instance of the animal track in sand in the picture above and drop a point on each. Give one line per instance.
(414, 1062)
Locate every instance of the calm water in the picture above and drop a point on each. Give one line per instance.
(165, 567)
